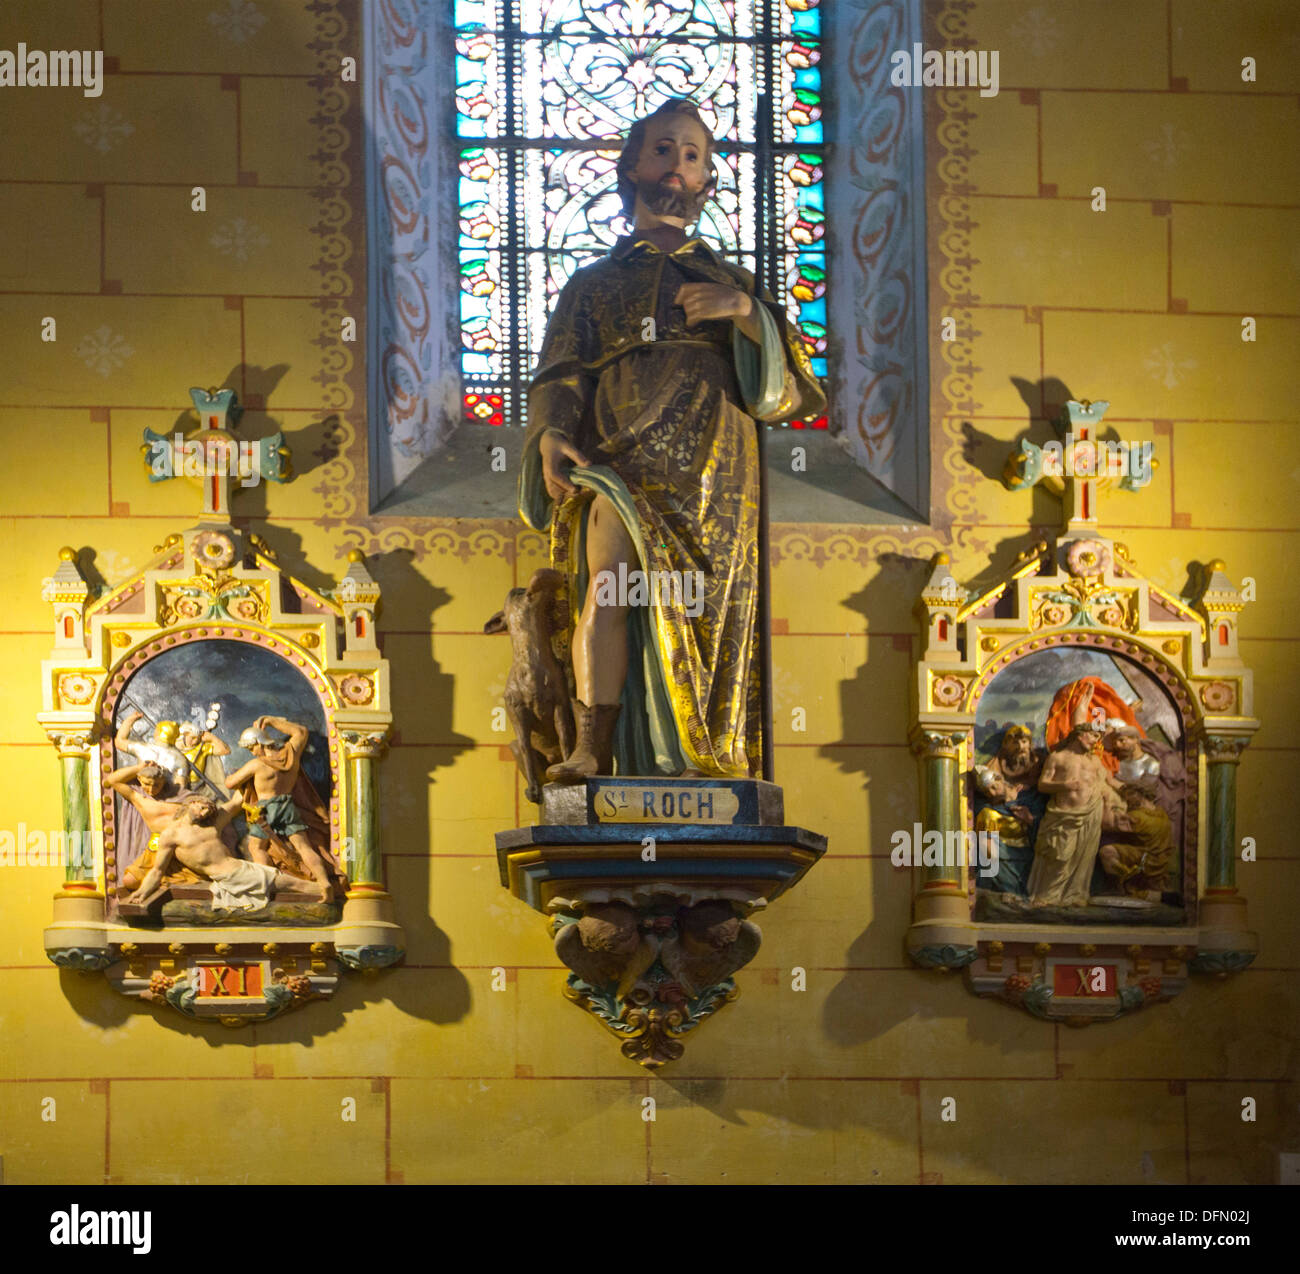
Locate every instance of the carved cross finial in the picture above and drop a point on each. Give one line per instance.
(1080, 465)
(213, 458)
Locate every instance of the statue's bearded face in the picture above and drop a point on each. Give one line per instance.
(673, 168)
(665, 199)
(1125, 746)
(1016, 755)
(200, 811)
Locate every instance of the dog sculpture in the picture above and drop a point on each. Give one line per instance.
(537, 694)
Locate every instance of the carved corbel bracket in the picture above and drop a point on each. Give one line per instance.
(653, 918)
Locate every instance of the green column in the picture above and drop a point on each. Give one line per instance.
(361, 819)
(942, 807)
(73, 756)
(1222, 753)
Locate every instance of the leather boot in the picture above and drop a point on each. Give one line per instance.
(593, 753)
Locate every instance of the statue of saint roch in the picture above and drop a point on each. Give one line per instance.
(642, 457)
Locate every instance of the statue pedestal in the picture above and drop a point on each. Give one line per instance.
(650, 885)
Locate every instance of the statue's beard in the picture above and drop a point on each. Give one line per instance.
(1017, 764)
(671, 201)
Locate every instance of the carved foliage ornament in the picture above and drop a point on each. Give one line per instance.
(205, 596)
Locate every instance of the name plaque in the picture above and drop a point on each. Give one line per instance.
(670, 802)
(644, 803)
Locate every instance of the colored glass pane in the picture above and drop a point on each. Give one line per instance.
(546, 89)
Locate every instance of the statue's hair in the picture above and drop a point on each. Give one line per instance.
(153, 771)
(631, 151)
(1146, 791)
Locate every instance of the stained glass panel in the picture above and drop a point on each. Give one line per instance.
(546, 89)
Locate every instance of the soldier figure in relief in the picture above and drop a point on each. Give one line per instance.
(154, 800)
(161, 749)
(283, 810)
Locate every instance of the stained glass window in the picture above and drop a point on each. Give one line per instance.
(545, 91)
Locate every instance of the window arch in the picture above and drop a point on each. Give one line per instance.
(473, 117)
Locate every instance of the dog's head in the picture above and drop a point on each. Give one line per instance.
(543, 589)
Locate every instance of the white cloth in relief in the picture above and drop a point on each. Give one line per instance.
(245, 888)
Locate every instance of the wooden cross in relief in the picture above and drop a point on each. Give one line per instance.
(213, 457)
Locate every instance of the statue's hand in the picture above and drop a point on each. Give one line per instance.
(703, 301)
(555, 448)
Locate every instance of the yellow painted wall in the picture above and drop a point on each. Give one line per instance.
(455, 1082)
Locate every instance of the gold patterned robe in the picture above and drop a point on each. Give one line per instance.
(665, 413)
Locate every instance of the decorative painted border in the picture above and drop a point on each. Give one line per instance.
(341, 261)
(878, 243)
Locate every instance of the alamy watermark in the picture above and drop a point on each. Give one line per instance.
(945, 68)
(126, 1228)
(205, 458)
(59, 68)
(637, 588)
(919, 848)
(1085, 458)
(40, 848)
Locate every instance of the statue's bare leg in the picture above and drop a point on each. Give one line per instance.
(600, 638)
(599, 650)
(314, 864)
(255, 848)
